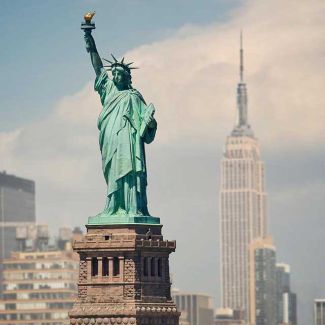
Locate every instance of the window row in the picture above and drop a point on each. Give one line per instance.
(106, 268)
(152, 266)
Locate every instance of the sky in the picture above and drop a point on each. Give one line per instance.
(188, 55)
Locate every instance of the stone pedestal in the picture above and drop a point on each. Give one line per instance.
(124, 276)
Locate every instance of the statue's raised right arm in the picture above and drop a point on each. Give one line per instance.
(92, 50)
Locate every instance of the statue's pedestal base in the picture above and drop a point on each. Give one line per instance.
(122, 219)
(124, 276)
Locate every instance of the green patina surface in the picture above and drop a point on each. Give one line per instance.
(104, 219)
(125, 124)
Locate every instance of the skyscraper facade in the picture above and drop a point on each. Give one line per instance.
(319, 312)
(262, 282)
(286, 300)
(39, 280)
(242, 204)
(17, 208)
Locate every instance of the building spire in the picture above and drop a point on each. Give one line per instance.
(241, 57)
(242, 128)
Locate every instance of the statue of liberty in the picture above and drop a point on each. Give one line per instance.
(125, 124)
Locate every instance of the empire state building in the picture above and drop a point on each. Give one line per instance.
(242, 203)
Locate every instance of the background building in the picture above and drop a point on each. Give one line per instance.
(242, 204)
(319, 312)
(198, 308)
(17, 207)
(39, 282)
(286, 300)
(183, 319)
(227, 316)
(262, 282)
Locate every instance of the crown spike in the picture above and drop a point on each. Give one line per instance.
(116, 63)
(114, 58)
(108, 61)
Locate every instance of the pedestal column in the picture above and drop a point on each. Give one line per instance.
(130, 297)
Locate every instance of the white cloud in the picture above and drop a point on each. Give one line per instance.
(192, 77)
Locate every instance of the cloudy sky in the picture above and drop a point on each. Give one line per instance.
(188, 54)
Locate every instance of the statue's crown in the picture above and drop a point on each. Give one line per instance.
(116, 63)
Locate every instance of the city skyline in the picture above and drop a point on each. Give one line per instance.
(40, 140)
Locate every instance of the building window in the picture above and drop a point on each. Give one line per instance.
(10, 306)
(94, 266)
(105, 266)
(159, 267)
(152, 267)
(145, 266)
(116, 266)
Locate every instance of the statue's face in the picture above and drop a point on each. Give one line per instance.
(120, 79)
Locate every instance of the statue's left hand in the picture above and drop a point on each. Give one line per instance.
(151, 122)
(148, 117)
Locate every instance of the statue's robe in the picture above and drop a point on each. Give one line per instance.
(122, 147)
